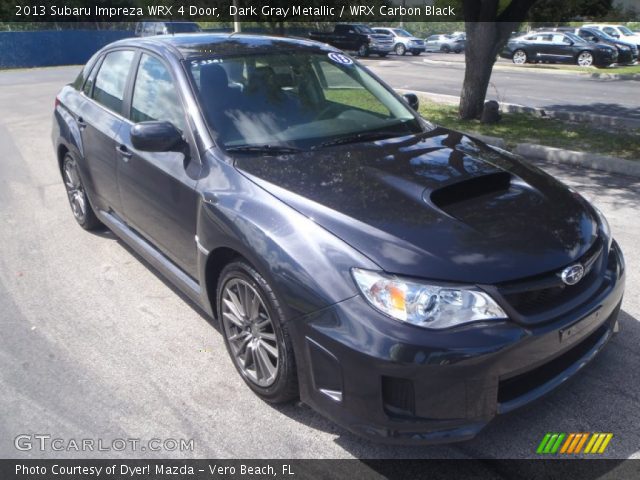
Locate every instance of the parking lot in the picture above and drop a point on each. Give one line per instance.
(95, 344)
(550, 89)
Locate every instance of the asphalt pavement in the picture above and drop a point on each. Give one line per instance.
(570, 91)
(96, 345)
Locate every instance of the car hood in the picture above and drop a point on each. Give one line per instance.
(437, 205)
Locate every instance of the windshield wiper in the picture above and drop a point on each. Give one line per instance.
(360, 137)
(266, 149)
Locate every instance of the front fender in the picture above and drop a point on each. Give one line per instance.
(307, 266)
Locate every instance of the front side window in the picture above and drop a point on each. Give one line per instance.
(296, 99)
(112, 79)
(154, 94)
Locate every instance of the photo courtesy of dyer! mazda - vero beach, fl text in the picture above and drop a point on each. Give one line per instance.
(407, 281)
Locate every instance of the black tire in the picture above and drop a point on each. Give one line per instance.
(416, 54)
(400, 49)
(77, 195)
(445, 49)
(284, 388)
(363, 51)
(383, 54)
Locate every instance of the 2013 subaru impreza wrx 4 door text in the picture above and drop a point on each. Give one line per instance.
(407, 281)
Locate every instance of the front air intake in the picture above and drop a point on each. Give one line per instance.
(470, 189)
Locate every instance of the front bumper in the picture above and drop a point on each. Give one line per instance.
(380, 47)
(397, 383)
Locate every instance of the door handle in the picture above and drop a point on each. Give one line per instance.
(124, 152)
(81, 123)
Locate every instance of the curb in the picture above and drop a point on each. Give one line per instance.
(593, 118)
(581, 159)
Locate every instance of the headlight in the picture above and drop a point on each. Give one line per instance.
(425, 305)
(605, 228)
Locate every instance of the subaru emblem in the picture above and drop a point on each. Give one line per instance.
(573, 274)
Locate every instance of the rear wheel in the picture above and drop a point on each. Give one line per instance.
(256, 334)
(400, 49)
(363, 51)
(585, 59)
(520, 57)
(415, 54)
(445, 49)
(77, 195)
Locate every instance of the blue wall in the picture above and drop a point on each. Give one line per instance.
(55, 47)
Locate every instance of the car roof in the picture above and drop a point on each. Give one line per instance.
(191, 45)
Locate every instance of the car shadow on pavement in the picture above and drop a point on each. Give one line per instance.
(603, 397)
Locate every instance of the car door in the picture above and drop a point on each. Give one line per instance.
(100, 118)
(157, 189)
(561, 48)
(432, 42)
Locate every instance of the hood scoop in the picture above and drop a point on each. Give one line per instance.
(469, 189)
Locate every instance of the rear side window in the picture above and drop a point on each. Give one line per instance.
(112, 79)
(154, 95)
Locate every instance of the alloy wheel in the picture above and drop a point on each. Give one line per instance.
(75, 190)
(520, 57)
(400, 49)
(585, 59)
(250, 332)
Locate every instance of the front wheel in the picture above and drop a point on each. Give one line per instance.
(585, 59)
(256, 333)
(520, 57)
(400, 49)
(77, 195)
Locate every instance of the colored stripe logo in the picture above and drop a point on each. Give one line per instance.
(574, 443)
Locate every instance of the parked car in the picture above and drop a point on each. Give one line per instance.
(403, 41)
(558, 47)
(356, 37)
(408, 281)
(627, 52)
(145, 29)
(620, 32)
(445, 43)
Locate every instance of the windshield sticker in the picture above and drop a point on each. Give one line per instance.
(340, 58)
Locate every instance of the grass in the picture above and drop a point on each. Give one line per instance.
(515, 128)
(526, 128)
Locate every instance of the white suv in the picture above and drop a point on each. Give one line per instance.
(403, 41)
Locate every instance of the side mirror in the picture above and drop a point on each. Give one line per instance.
(412, 100)
(155, 136)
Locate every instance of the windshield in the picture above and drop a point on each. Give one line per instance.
(575, 38)
(298, 100)
(364, 29)
(625, 30)
(401, 33)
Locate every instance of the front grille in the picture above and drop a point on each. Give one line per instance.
(547, 292)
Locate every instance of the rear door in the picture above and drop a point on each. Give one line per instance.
(100, 118)
(157, 189)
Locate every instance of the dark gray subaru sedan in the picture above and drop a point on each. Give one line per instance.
(407, 281)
